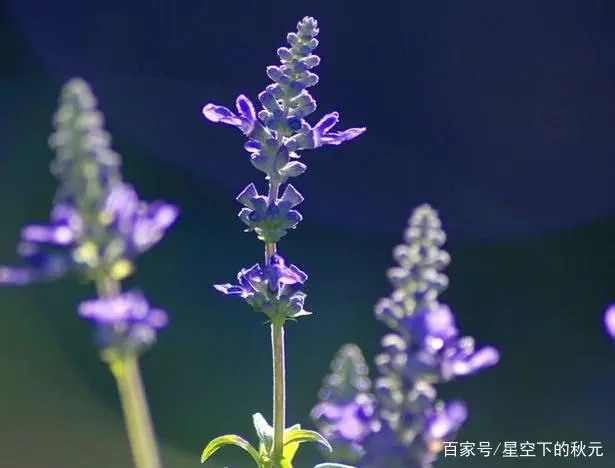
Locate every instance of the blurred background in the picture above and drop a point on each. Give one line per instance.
(500, 114)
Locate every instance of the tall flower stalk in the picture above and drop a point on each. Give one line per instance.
(98, 227)
(398, 422)
(275, 135)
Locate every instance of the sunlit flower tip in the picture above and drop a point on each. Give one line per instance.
(308, 27)
(609, 320)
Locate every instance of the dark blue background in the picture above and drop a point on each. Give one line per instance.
(500, 114)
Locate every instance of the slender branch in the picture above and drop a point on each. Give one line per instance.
(125, 369)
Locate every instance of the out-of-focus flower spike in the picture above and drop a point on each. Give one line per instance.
(98, 224)
(345, 407)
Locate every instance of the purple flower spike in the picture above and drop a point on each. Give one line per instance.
(609, 321)
(346, 410)
(410, 425)
(278, 130)
(98, 225)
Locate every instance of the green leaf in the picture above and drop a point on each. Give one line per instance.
(333, 465)
(299, 436)
(264, 432)
(294, 427)
(289, 450)
(229, 439)
(301, 313)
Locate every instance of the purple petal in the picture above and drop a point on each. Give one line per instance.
(291, 196)
(293, 169)
(158, 318)
(298, 274)
(285, 54)
(447, 421)
(15, 276)
(327, 123)
(254, 273)
(229, 289)
(245, 108)
(63, 213)
(246, 196)
(222, 114)
(40, 234)
(609, 321)
(276, 74)
(163, 214)
(337, 138)
(106, 311)
(252, 146)
(149, 228)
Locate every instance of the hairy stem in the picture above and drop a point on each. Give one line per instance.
(278, 355)
(125, 370)
(279, 390)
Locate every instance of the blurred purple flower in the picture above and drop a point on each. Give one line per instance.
(125, 322)
(97, 225)
(609, 321)
(409, 424)
(346, 409)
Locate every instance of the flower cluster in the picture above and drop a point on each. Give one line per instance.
(126, 321)
(279, 130)
(273, 290)
(98, 224)
(346, 408)
(399, 422)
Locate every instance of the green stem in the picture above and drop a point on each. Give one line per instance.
(278, 355)
(125, 369)
(279, 391)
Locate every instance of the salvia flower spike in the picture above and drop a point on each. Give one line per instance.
(98, 224)
(275, 135)
(279, 130)
(97, 228)
(400, 422)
